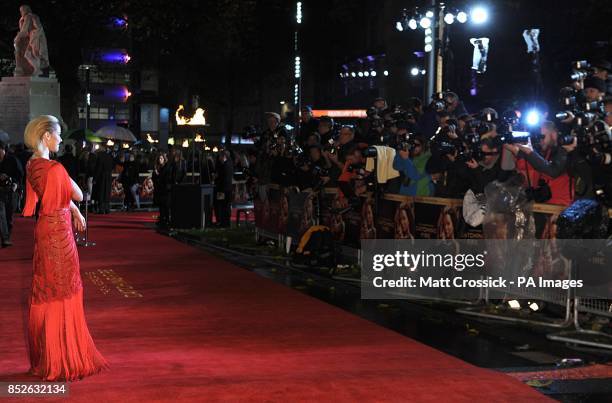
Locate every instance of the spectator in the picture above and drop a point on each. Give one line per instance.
(223, 189)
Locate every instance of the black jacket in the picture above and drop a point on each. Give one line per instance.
(11, 167)
(225, 175)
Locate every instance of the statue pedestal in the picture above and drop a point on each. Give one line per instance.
(24, 98)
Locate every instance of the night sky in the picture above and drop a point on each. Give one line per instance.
(238, 56)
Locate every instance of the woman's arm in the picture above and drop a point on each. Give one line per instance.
(77, 194)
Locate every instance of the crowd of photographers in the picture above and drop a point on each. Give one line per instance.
(440, 149)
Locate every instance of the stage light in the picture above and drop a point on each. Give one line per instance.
(298, 12)
(425, 22)
(534, 306)
(412, 24)
(533, 118)
(461, 17)
(110, 143)
(373, 73)
(428, 47)
(449, 18)
(514, 304)
(360, 74)
(414, 71)
(428, 31)
(428, 39)
(399, 26)
(479, 15)
(429, 14)
(282, 102)
(423, 72)
(353, 74)
(386, 73)
(366, 73)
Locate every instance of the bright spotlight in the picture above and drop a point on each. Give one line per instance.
(414, 71)
(412, 24)
(425, 22)
(373, 73)
(532, 118)
(428, 39)
(514, 304)
(534, 306)
(423, 72)
(429, 14)
(353, 74)
(360, 74)
(428, 47)
(428, 31)
(479, 15)
(386, 73)
(449, 18)
(399, 26)
(462, 17)
(366, 73)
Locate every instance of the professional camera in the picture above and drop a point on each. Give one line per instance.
(405, 142)
(331, 147)
(439, 101)
(581, 69)
(6, 183)
(293, 149)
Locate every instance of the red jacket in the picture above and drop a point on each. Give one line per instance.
(561, 187)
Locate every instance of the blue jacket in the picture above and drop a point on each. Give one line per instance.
(420, 181)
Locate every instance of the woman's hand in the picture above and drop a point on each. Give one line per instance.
(78, 220)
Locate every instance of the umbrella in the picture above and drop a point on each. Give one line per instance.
(82, 135)
(4, 137)
(116, 133)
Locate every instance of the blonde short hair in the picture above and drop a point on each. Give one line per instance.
(37, 128)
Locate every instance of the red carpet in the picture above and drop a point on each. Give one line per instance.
(177, 324)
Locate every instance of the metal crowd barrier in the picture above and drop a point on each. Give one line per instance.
(486, 303)
(560, 298)
(587, 337)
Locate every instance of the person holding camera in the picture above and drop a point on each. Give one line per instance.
(283, 168)
(546, 172)
(411, 160)
(486, 167)
(11, 175)
(337, 154)
(313, 170)
(326, 129)
(308, 126)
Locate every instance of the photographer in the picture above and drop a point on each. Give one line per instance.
(308, 126)
(486, 167)
(353, 177)
(594, 89)
(265, 144)
(338, 153)
(546, 171)
(326, 129)
(312, 169)
(11, 175)
(447, 165)
(283, 168)
(410, 161)
(602, 69)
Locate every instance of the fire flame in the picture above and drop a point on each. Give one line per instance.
(197, 119)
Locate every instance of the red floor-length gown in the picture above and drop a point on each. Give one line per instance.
(60, 345)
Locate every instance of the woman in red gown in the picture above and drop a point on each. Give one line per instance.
(60, 345)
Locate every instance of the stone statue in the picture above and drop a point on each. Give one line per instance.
(31, 53)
